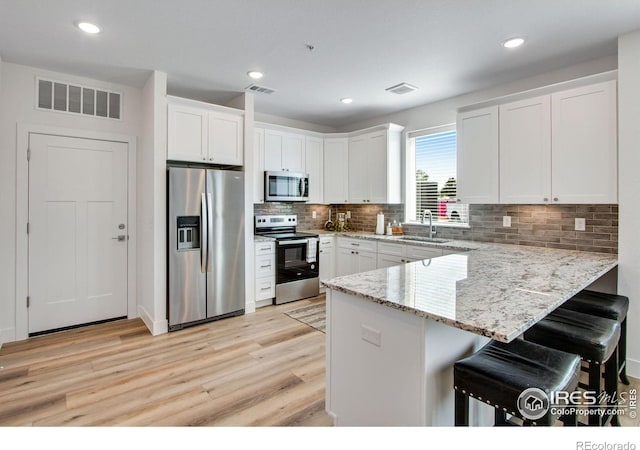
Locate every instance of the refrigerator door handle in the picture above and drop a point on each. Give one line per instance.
(209, 231)
(204, 238)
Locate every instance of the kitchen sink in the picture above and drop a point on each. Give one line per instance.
(424, 239)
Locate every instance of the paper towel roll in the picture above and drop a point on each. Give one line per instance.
(380, 223)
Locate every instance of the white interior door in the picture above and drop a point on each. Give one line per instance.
(77, 210)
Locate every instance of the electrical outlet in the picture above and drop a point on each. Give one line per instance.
(348, 214)
(506, 221)
(313, 214)
(581, 224)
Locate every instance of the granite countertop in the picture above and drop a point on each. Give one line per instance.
(497, 290)
(402, 239)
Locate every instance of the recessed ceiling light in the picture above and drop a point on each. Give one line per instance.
(346, 100)
(513, 43)
(255, 74)
(88, 27)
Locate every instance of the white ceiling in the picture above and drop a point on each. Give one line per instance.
(445, 47)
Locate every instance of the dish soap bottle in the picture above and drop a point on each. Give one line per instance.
(389, 232)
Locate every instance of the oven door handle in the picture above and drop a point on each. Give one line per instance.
(293, 242)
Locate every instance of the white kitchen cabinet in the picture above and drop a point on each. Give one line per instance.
(374, 169)
(336, 162)
(284, 151)
(584, 144)
(314, 162)
(187, 133)
(525, 151)
(355, 256)
(197, 132)
(327, 259)
(393, 254)
(477, 156)
(258, 165)
(265, 272)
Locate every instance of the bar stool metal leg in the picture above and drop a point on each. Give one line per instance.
(461, 409)
(622, 353)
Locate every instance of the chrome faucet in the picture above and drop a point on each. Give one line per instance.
(424, 214)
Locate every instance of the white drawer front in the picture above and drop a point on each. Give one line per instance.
(326, 242)
(388, 248)
(265, 266)
(265, 288)
(415, 252)
(265, 248)
(358, 244)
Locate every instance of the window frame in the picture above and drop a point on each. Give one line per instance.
(410, 179)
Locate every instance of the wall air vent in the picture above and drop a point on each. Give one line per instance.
(73, 98)
(402, 88)
(259, 89)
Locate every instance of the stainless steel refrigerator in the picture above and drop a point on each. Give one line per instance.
(206, 245)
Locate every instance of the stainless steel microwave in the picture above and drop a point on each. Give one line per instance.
(286, 186)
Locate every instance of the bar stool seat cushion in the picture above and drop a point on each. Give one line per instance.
(610, 306)
(593, 338)
(498, 373)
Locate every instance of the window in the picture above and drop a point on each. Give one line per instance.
(431, 177)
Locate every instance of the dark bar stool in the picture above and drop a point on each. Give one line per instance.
(593, 338)
(609, 306)
(498, 373)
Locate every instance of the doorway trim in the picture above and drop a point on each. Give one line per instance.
(22, 215)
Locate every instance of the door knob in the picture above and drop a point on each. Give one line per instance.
(120, 238)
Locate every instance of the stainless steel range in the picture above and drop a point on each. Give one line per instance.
(297, 257)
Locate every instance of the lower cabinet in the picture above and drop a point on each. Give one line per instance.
(327, 259)
(265, 271)
(356, 255)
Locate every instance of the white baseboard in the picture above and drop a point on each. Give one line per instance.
(633, 368)
(250, 307)
(156, 327)
(7, 335)
(266, 302)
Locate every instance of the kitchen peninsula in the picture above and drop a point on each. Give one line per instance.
(393, 334)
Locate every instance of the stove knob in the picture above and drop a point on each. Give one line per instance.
(313, 266)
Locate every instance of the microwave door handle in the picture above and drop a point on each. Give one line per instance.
(209, 232)
(204, 224)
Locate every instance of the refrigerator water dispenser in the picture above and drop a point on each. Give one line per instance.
(188, 232)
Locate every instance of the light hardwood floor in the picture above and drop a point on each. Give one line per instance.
(259, 369)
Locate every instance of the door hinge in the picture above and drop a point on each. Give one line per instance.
(28, 301)
(28, 228)
(28, 154)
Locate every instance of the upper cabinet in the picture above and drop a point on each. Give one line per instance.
(584, 145)
(197, 132)
(284, 151)
(559, 148)
(374, 167)
(525, 151)
(477, 156)
(314, 157)
(336, 161)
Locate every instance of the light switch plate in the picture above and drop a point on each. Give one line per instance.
(506, 221)
(313, 214)
(348, 214)
(581, 224)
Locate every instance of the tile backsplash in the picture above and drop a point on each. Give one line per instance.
(551, 226)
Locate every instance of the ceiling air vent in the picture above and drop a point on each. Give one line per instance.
(259, 89)
(402, 88)
(72, 98)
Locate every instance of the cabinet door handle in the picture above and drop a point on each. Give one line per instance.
(355, 244)
(266, 288)
(546, 199)
(265, 248)
(555, 199)
(264, 267)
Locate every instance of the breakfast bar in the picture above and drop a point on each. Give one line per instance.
(394, 334)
